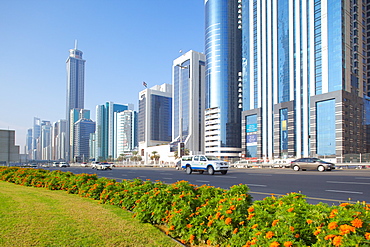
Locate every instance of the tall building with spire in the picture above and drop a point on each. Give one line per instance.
(75, 85)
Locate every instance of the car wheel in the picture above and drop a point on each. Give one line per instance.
(223, 172)
(210, 170)
(321, 168)
(188, 170)
(296, 168)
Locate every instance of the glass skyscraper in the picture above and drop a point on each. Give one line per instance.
(304, 78)
(223, 63)
(75, 86)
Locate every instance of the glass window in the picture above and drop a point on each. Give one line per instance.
(325, 127)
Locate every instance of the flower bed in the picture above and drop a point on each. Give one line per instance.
(214, 216)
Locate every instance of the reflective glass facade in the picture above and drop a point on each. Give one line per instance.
(251, 136)
(161, 116)
(223, 62)
(325, 122)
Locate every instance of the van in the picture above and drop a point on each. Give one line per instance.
(201, 163)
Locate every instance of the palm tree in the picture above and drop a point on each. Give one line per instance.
(155, 156)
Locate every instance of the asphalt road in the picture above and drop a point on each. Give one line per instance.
(331, 187)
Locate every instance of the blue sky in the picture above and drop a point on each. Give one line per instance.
(125, 42)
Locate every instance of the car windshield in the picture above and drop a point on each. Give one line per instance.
(212, 158)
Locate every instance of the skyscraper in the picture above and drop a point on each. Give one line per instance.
(82, 130)
(75, 84)
(155, 116)
(223, 64)
(125, 129)
(188, 82)
(305, 80)
(105, 135)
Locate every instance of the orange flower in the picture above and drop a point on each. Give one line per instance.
(290, 209)
(291, 228)
(344, 204)
(330, 236)
(333, 213)
(192, 237)
(288, 244)
(172, 228)
(297, 235)
(228, 221)
(229, 211)
(337, 241)
(182, 195)
(254, 226)
(251, 209)
(189, 225)
(332, 225)
(217, 215)
(210, 223)
(357, 223)
(274, 244)
(241, 223)
(250, 216)
(235, 230)
(269, 234)
(275, 222)
(367, 236)
(232, 207)
(209, 242)
(345, 229)
(309, 221)
(317, 232)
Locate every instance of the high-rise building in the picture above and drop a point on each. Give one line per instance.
(75, 115)
(28, 150)
(75, 86)
(105, 135)
(305, 79)
(223, 64)
(155, 116)
(9, 152)
(125, 129)
(36, 132)
(188, 80)
(83, 128)
(59, 140)
(45, 141)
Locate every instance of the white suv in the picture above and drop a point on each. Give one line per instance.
(201, 163)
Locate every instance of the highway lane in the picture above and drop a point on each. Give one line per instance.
(329, 187)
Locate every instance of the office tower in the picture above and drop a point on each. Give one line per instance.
(45, 140)
(223, 64)
(59, 141)
(29, 143)
(188, 107)
(125, 129)
(75, 115)
(304, 78)
(83, 128)
(36, 132)
(75, 85)
(155, 116)
(105, 136)
(9, 152)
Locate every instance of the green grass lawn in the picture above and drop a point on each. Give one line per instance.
(39, 217)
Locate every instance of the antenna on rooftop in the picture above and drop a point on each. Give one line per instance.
(75, 44)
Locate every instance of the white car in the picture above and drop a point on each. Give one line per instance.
(64, 164)
(102, 166)
(201, 163)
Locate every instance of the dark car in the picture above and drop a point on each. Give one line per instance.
(311, 164)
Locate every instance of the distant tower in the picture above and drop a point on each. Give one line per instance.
(75, 84)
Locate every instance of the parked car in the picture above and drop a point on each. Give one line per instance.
(311, 164)
(103, 166)
(201, 163)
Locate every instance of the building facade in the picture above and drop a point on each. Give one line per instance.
(105, 136)
(305, 83)
(83, 128)
(223, 63)
(188, 80)
(75, 66)
(125, 129)
(155, 116)
(9, 152)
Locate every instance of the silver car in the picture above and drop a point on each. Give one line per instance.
(311, 164)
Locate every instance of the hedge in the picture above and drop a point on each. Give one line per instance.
(208, 215)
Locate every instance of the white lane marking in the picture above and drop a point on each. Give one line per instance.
(361, 178)
(202, 181)
(257, 185)
(263, 175)
(167, 178)
(165, 173)
(340, 182)
(225, 177)
(343, 191)
(142, 176)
